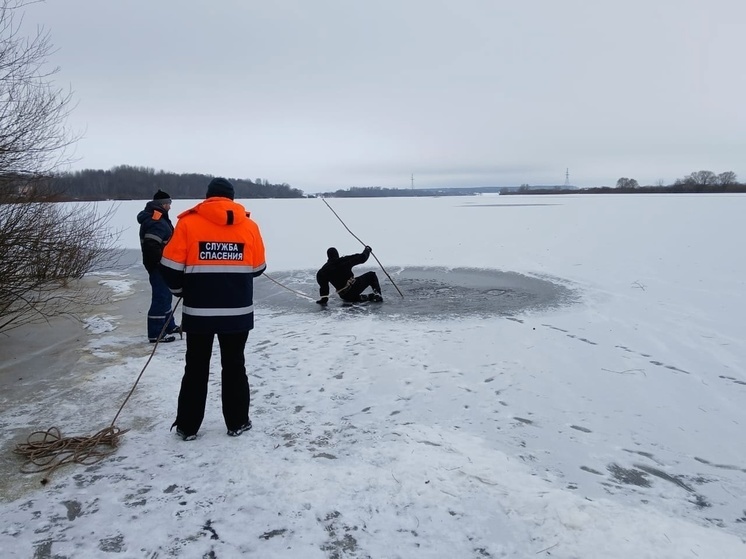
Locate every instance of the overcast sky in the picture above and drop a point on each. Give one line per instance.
(329, 94)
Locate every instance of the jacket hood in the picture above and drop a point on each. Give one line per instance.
(220, 211)
(147, 213)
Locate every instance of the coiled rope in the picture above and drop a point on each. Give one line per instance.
(45, 451)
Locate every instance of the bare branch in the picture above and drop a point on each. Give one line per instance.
(46, 248)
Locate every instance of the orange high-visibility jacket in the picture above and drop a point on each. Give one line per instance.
(211, 261)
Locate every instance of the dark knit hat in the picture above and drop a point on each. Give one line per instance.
(220, 187)
(332, 253)
(162, 198)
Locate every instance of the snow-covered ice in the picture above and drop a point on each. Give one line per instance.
(565, 377)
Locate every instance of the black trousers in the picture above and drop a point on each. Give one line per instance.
(234, 382)
(368, 279)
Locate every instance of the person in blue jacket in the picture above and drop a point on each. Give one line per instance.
(155, 231)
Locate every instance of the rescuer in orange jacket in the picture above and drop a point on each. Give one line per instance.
(214, 255)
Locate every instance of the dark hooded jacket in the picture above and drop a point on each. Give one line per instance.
(155, 231)
(338, 271)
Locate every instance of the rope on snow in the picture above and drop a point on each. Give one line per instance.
(45, 451)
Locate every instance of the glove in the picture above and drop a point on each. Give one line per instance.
(151, 255)
(151, 261)
(323, 301)
(368, 249)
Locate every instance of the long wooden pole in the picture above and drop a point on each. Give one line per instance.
(362, 243)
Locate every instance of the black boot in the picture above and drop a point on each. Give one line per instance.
(176, 330)
(163, 340)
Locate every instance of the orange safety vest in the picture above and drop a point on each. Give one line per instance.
(211, 261)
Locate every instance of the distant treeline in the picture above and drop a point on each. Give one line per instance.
(140, 183)
(381, 192)
(699, 181)
(672, 189)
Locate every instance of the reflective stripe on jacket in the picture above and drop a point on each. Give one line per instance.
(211, 261)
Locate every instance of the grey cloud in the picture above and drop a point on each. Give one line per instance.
(339, 92)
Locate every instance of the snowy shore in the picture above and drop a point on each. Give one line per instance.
(606, 420)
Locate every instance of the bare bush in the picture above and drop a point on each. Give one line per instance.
(624, 182)
(727, 178)
(45, 249)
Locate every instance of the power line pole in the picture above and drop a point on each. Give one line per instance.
(412, 181)
(567, 177)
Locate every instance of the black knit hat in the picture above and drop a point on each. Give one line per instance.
(220, 187)
(162, 198)
(332, 253)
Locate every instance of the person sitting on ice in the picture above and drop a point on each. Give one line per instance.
(338, 272)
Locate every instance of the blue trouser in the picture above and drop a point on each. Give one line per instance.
(160, 306)
(234, 382)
